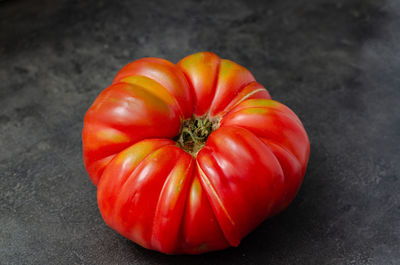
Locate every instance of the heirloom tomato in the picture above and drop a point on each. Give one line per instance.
(191, 157)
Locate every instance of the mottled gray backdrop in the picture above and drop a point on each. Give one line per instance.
(335, 63)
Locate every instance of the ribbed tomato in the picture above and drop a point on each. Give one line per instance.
(190, 158)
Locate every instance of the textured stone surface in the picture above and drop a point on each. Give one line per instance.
(335, 63)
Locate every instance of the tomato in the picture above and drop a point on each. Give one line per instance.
(190, 158)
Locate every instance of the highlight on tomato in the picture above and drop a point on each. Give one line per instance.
(191, 157)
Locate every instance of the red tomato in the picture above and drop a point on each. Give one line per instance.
(190, 158)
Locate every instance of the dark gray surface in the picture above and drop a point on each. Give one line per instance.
(335, 63)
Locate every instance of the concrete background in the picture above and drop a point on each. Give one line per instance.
(335, 63)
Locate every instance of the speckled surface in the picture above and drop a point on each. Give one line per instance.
(335, 63)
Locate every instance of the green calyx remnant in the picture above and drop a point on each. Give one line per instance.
(194, 134)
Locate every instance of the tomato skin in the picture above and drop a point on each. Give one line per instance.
(201, 70)
(163, 198)
(285, 136)
(233, 167)
(164, 73)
